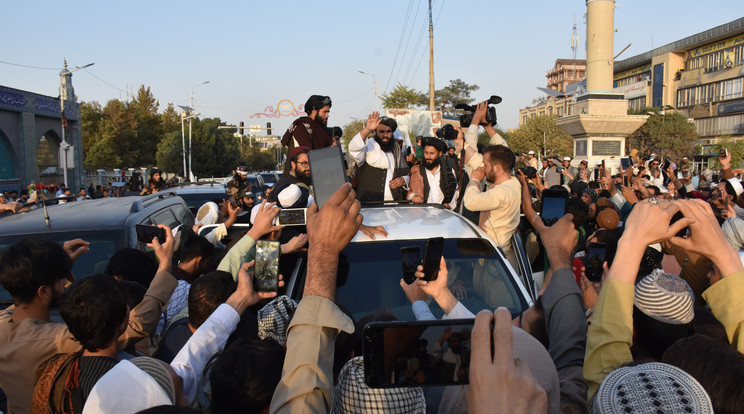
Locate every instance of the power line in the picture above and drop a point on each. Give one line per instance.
(29, 66)
(421, 59)
(107, 83)
(408, 42)
(400, 43)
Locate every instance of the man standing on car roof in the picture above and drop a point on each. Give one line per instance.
(299, 172)
(382, 172)
(433, 181)
(310, 131)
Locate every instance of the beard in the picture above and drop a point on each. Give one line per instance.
(385, 146)
(320, 121)
(304, 178)
(430, 165)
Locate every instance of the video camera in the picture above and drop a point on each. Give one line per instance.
(447, 132)
(466, 119)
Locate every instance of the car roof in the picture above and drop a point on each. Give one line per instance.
(196, 188)
(406, 222)
(99, 214)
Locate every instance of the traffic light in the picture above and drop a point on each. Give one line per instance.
(240, 130)
(268, 128)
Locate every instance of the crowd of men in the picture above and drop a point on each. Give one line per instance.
(658, 330)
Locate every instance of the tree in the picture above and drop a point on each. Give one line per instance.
(456, 92)
(170, 156)
(529, 137)
(91, 114)
(403, 97)
(350, 130)
(670, 135)
(735, 147)
(149, 126)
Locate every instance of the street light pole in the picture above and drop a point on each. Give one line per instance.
(191, 102)
(377, 96)
(62, 98)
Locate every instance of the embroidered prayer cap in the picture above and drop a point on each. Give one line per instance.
(158, 372)
(274, 318)
(292, 196)
(653, 387)
(665, 297)
(352, 395)
(591, 193)
(127, 388)
(295, 151)
(208, 213)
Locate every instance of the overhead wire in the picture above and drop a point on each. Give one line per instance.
(400, 43)
(408, 42)
(423, 54)
(107, 83)
(28, 66)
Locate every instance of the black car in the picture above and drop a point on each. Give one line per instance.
(107, 223)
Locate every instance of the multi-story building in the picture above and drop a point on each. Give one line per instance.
(565, 72)
(700, 76)
(564, 79)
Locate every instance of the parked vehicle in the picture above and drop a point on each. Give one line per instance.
(107, 223)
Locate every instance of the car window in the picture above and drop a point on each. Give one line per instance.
(166, 217)
(269, 178)
(370, 276)
(103, 245)
(183, 215)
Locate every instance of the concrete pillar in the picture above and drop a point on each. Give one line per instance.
(600, 27)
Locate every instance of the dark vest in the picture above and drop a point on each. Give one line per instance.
(447, 182)
(371, 180)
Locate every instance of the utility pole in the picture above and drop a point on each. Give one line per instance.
(431, 60)
(377, 96)
(191, 102)
(65, 86)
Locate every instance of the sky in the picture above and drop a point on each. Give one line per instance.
(256, 54)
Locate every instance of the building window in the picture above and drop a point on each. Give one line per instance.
(722, 125)
(636, 104)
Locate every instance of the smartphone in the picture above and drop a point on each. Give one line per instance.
(593, 261)
(266, 274)
(291, 217)
(625, 163)
(146, 233)
(395, 353)
(626, 181)
(410, 258)
(667, 163)
(327, 172)
(577, 264)
(596, 174)
(724, 153)
(553, 205)
(432, 257)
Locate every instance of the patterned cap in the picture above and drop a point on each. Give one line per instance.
(352, 395)
(650, 388)
(666, 298)
(158, 372)
(591, 193)
(273, 319)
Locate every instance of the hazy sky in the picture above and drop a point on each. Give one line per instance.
(256, 54)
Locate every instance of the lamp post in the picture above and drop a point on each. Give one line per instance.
(62, 98)
(377, 96)
(184, 110)
(191, 102)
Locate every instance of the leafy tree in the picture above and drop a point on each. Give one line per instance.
(403, 97)
(170, 155)
(350, 130)
(91, 114)
(171, 120)
(670, 135)
(456, 92)
(149, 126)
(529, 136)
(735, 148)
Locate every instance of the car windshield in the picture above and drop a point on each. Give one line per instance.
(375, 271)
(197, 199)
(103, 245)
(252, 181)
(269, 178)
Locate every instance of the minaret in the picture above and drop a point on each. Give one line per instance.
(66, 92)
(600, 122)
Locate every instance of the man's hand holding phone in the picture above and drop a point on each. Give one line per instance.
(245, 296)
(164, 248)
(437, 288)
(500, 384)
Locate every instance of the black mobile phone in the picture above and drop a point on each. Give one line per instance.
(715, 179)
(593, 261)
(327, 172)
(146, 233)
(724, 153)
(266, 275)
(667, 163)
(596, 174)
(408, 354)
(410, 258)
(291, 217)
(625, 163)
(432, 257)
(553, 205)
(626, 181)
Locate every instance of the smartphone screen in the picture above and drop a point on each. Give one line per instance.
(410, 258)
(327, 172)
(417, 353)
(626, 181)
(291, 217)
(266, 275)
(553, 205)
(596, 174)
(146, 233)
(593, 261)
(625, 163)
(432, 257)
